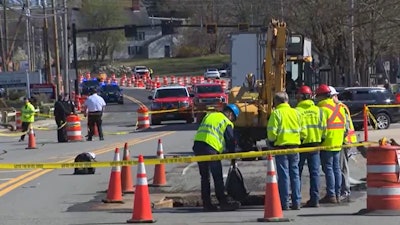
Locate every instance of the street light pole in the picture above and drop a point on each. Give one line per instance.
(66, 49)
(28, 39)
(56, 48)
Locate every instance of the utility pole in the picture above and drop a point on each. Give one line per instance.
(28, 39)
(56, 49)
(46, 44)
(33, 49)
(66, 49)
(5, 35)
(3, 52)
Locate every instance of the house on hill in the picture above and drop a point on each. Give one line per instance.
(150, 42)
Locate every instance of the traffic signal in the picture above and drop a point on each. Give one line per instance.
(211, 28)
(130, 31)
(243, 27)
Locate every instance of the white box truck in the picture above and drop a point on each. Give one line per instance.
(247, 55)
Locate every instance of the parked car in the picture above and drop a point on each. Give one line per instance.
(356, 97)
(212, 73)
(140, 70)
(171, 98)
(225, 70)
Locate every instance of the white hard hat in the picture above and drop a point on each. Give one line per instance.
(333, 91)
(93, 155)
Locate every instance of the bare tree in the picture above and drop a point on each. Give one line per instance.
(100, 14)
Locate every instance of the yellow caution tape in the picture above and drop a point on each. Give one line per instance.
(372, 117)
(12, 134)
(188, 159)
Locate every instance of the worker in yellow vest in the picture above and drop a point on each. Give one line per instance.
(314, 126)
(215, 136)
(27, 117)
(349, 138)
(333, 135)
(284, 131)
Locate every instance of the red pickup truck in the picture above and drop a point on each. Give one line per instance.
(208, 97)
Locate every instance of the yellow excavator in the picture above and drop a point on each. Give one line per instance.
(255, 97)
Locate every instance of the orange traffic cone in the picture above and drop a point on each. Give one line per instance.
(31, 139)
(272, 204)
(126, 174)
(114, 191)
(159, 178)
(141, 205)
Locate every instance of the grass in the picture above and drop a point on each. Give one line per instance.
(179, 66)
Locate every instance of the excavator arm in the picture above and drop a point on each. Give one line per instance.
(275, 63)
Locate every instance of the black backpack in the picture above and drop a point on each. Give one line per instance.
(235, 186)
(84, 157)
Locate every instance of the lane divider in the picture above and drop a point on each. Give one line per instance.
(188, 159)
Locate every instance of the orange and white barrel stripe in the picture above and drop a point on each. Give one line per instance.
(383, 180)
(18, 121)
(74, 130)
(143, 118)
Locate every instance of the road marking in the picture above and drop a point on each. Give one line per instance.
(134, 100)
(188, 167)
(16, 182)
(6, 178)
(13, 171)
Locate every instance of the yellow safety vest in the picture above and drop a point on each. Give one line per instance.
(212, 129)
(351, 136)
(284, 126)
(335, 125)
(28, 113)
(312, 118)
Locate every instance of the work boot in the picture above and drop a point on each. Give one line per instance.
(231, 206)
(89, 139)
(101, 139)
(210, 208)
(343, 198)
(330, 200)
(311, 204)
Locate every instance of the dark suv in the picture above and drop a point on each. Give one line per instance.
(356, 97)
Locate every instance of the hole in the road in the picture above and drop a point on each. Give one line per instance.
(195, 200)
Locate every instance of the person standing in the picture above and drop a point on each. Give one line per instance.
(314, 125)
(214, 136)
(60, 116)
(333, 139)
(95, 105)
(27, 117)
(284, 130)
(69, 105)
(351, 137)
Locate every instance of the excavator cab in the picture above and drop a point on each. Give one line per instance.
(255, 98)
(298, 48)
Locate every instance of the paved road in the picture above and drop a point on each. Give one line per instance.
(57, 197)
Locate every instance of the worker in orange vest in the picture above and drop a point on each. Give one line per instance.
(351, 137)
(333, 135)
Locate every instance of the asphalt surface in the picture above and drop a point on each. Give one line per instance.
(58, 197)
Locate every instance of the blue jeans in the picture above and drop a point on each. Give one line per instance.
(314, 163)
(287, 167)
(330, 161)
(201, 148)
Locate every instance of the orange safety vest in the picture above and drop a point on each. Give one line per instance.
(351, 133)
(331, 124)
